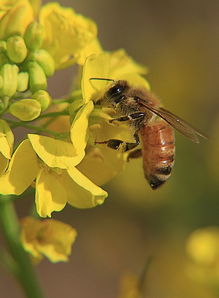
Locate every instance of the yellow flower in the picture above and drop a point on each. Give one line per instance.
(6, 145)
(117, 65)
(69, 36)
(15, 16)
(202, 248)
(47, 238)
(53, 164)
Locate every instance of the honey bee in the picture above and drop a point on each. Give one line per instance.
(140, 108)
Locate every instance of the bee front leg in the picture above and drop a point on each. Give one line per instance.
(118, 144)
(134, 154)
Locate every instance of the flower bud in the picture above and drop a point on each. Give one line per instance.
(45, 60)
(9, 74)
(16, 18)
(43, 98)
(34, 36)
(23, 80)
(3, 59)
(16, 49)
(3, 46)
(25, 109)
(37, 76)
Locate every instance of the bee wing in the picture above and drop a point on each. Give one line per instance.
(178, 123)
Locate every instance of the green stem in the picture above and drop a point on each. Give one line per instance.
(36, 128)
(23, 269)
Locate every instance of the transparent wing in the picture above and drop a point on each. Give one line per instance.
(178, 123)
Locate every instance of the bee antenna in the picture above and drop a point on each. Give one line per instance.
(102, 79)
(99, 79)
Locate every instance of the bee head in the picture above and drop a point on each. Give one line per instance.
(116, 93)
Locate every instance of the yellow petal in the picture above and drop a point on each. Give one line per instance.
(22, 170)
(203, 245)
(121, 64)
(82, 192)
(106, 162)
(79, 129)
(67, 33)
(16, 17)
(3, 164)
(36, 6)
(4, 147)
(50, 238)
(55, 153)
(50, 192)
(30, 229)
(93, 47)
(103, 130)
(96, 66)
(6, 132)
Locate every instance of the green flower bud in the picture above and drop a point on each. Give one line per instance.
(43, 98)
(3, 46)
(9, 74)
(45, 60)
(34, 36)
(3, 59)
(37, 76)
(16, 49)
(23, 80)
(25, 109)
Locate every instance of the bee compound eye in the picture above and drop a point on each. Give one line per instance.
(115, 91)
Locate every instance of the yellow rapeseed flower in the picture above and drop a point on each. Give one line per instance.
(202, 248)
(52, 163)
(70, 37)
(47, 238)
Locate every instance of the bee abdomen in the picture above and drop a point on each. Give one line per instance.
(158, 152)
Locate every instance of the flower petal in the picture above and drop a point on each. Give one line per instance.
(50, 238)
(67, 33)
(96, 66)
(79, 130)
(22, 170)
(55, 153)
(104, 160)
(82, 193)
(3, 164)
(6, 139)
(50, 193)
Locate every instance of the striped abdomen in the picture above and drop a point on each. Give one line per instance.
(158, 152)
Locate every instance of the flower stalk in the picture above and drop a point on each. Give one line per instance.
(22, 269)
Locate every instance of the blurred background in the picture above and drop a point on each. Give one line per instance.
(179, 43)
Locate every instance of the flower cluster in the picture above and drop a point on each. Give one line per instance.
(58, 157)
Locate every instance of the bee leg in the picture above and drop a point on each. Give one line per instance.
(133, 117)
(117, 144)
(123, 118)
(130, 146)
(134, 154)
(137, 116)
(112, 143)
